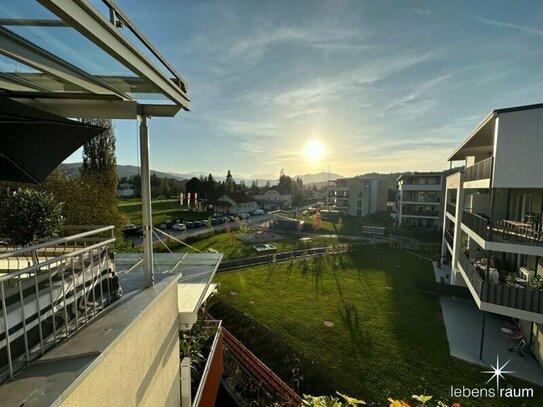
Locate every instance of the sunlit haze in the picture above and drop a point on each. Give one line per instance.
(386, 86)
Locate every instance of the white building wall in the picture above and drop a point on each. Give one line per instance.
(519, 164)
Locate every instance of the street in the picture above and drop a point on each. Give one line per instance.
(138, 240)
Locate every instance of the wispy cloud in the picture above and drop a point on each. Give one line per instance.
(421, 11)
(511, 26)
(323, 89)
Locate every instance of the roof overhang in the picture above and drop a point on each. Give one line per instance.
(51, 81)
(479, 141)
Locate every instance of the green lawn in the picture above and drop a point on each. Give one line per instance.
(162, 210)
(385, 343)
(352, 226)
(222, 242)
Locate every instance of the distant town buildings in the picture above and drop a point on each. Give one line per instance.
(357, 196)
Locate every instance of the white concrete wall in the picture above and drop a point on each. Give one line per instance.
(142, 368)
(519, 150)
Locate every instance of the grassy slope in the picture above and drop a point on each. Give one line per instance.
(384, 342)
(222, 242)
(162, 210)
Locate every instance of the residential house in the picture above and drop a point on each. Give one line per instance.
(419, 199)
(274, 198)
(357, 196)
(235, 202)
(492, 230)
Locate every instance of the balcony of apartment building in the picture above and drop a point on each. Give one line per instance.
(422, 210)
(421, 197)
(451, 209)
(497, 288)
(419, 182)
(508, 220)
(479, 174)
(449, 238)
(66, 332)
(73, 310)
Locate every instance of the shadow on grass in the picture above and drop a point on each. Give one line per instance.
(361, 340)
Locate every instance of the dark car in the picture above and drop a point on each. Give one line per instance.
(215, 221)
(132, 230)
(189, 225)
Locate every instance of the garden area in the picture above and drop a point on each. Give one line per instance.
(236, 249)
(163, 209)
(353, 323)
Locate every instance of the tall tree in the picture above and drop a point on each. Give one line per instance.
(230, 185)
(99, 161)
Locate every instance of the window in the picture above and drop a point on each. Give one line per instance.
(359, 204)
(359, 212)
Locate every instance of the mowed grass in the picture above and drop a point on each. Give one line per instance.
(385, 342)
(236, 249)
(162, 210)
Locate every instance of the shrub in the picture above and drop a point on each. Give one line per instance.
(28, 216)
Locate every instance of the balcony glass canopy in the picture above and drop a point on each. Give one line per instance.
(84, 51)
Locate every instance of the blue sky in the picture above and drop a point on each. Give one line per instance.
(385, 86)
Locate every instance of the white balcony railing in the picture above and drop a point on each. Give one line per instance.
(49, 290)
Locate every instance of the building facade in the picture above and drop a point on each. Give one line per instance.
(419, 198)
(235, 202)
(273, 198)
(357, 196)
(492, 231)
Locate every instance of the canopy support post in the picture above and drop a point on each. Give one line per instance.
(148, 269)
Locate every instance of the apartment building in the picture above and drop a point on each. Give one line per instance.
(419, 198)
(492, 230)
(357, 196)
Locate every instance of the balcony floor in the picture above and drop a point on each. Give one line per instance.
(463, 322)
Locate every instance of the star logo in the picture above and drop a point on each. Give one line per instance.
(497, 371)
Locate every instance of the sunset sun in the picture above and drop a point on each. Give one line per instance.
(313, 150)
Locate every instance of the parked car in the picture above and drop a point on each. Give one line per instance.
(259, 212)
(199, 223)
(243, 215)
(215, 221)
(132, 230)
(179, 227)
(189, 225)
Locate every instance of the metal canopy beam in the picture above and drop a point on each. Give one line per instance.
(148, 266)
(83, 108)
(89, 22)
(15, 47)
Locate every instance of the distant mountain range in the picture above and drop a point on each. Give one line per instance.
(129, 170)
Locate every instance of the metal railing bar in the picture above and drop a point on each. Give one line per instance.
(55, 242)
(55, 260)
(6, 323)
(23, 317)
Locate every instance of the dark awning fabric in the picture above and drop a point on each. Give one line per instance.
(33, 142)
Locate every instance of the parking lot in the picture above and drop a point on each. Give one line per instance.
(259, 219)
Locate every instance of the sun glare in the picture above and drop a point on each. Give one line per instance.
(314, 150)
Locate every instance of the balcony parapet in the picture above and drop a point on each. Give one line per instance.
(509, 300)
(479, 171)
(451, 208)
(504, 231)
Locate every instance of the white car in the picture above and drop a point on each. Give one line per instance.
(259, 212)
(179, 227)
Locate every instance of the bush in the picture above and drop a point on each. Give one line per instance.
(27, 216)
